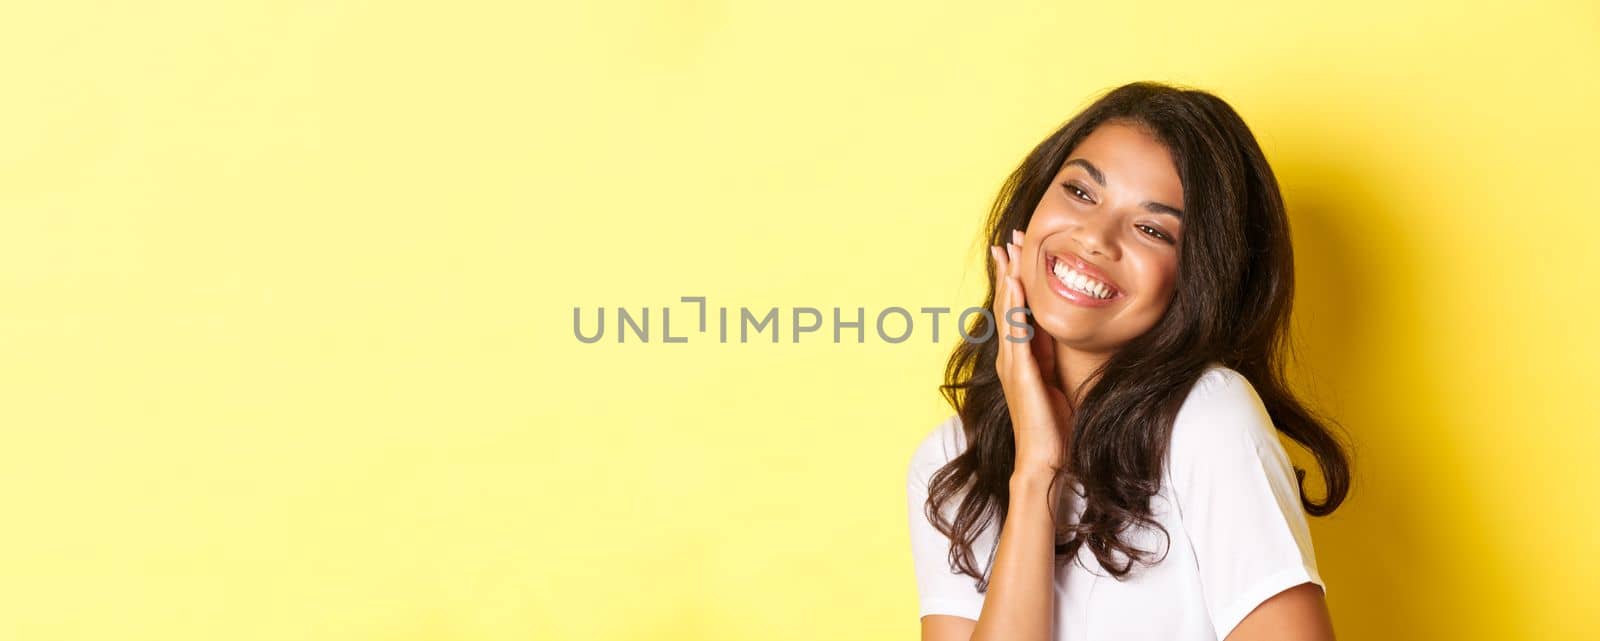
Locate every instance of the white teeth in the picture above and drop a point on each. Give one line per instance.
(1081, 282)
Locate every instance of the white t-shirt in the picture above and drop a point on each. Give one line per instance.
(1238, 534)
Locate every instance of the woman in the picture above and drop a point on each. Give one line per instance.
(1142, 280)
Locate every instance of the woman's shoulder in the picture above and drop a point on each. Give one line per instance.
(937, 446)
(1221, 411)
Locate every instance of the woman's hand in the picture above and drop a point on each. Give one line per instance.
(1040, 411)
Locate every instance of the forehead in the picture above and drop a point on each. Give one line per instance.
(1132, 161)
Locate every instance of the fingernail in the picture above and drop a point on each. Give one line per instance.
(1016, 236)
(994, 252)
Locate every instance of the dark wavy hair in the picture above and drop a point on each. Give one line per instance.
(1234, 291)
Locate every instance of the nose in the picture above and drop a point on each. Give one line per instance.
(1095, 236)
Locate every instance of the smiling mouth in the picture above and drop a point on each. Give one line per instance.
(1078, 286)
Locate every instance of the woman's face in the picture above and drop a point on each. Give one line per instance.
(1111, 216)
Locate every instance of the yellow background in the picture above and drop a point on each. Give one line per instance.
(286, 296)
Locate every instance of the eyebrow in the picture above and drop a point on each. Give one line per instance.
(1094, 172)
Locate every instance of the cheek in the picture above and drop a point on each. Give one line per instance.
(1159, 275)
(1052, 212)
(1046, 220)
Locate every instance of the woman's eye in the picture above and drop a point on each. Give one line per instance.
(1073, 189)
(1155, 232)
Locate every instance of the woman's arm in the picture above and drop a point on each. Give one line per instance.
(1020, 604)
(1022, 594)
(1299, 613)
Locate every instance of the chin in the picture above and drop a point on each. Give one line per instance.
(1074, 334)
(1064, 331)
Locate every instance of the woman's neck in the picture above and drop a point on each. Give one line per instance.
(1072, 370)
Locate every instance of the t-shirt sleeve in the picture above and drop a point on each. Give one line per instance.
(1238, 499)
(940, 588)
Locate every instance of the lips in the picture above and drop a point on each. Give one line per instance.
(1078, 264)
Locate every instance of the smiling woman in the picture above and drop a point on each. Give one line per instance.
(1118, 215)
(1149, 243)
